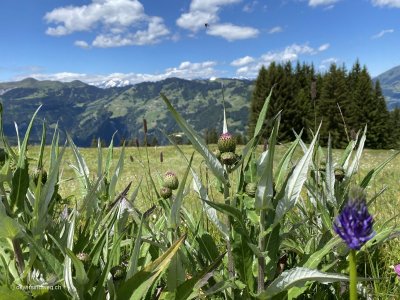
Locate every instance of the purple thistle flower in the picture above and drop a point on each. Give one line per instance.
(354, 223)
(397, 270)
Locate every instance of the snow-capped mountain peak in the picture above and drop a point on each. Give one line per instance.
(110, 83)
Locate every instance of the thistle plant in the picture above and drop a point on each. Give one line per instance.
(355, 226)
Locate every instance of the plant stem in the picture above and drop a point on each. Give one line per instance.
(353, 275)
(231, 264)
(19, 259)
(261, 260)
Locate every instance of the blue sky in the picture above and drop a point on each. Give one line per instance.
(96, 40)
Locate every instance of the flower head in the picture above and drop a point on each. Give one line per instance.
(227, 143)
(171, 180)
(165, 192)
(251, 189)
(354, 224)
(397, 270)
(228, 158)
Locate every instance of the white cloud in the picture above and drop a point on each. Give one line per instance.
(315, 3)
(389, 3)
(203, 12)
(327, 62)
(249, 7)
(82, 44)
(323, 47)
(242, 61)
(275, 29)
(120, 23)
(187, 70)
(382, 33)
(290, 53)
(151, 35)
(232, 32)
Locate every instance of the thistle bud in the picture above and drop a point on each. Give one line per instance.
(228, 158)
(226, 143)
(251, 189)
(217, 153)
(83, 257)
(165, 192)
(339, 174)
(36, 175)
(171, 180)
(322, 166)
(118, 272)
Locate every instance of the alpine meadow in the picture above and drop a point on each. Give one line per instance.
(202, 149)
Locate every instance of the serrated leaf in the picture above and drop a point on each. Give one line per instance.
(184, 291)
(68, 262)
(265, 186)
(296, 182)
(297, 277)
(330, 174)
(262, 115)
(139, 284)
(9, 228)
(198, 143)
(176, 205)
(80, 273)
(356, 161)
(117, 172)
(372, 173)
(133, 263)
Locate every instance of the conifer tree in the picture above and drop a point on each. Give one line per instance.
(334, 94)
(394, 123)
(260, 93)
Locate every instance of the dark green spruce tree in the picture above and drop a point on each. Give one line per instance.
(260, 93)
(334, 107)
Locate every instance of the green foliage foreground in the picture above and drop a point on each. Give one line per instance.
(264, 230)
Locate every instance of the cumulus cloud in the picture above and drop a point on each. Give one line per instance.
(290, 53)
(327, 62)
(388, 3)
(275, 29)
(242, 61)
(232, 32)
(207, 12)
(186, 69)
(323, 47)
(120, 23)
(82, 44)
(202, 12)
(315, 3)
(382, 33)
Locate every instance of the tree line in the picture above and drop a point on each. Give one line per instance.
(345, 101)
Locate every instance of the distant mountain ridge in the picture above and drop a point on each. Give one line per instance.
(390, 82)
(88, 112)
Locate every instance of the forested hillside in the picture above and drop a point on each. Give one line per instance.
(344, 100)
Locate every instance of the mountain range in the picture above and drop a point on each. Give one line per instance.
(390, 82)
(89, 112)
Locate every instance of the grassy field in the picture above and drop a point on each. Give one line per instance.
(135, 163)
(135, 166)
